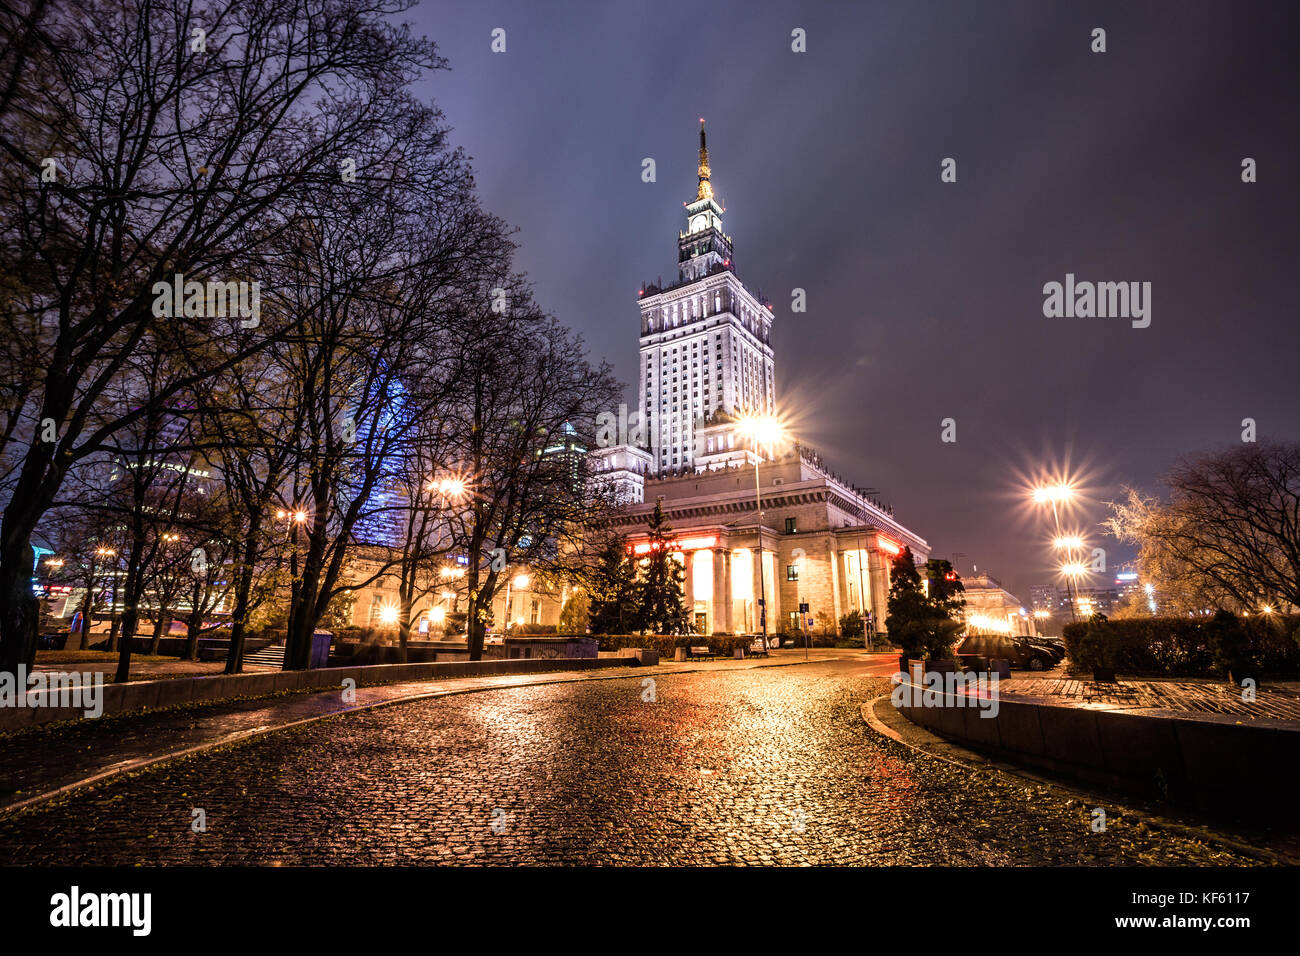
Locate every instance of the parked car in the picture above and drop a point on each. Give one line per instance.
(1021, 652)
(1053, 645)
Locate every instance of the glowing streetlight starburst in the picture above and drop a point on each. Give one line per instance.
(763, 429)
(1053, 494)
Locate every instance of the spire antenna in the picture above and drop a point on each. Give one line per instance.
(706, 188)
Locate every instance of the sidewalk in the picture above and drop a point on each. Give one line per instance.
(48, 760)
(1165, 697)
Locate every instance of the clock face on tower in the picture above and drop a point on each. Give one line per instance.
(698, 223)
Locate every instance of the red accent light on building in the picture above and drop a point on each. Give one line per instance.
(682, 544)
(886, 545)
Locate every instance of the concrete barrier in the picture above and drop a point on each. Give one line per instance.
(160, 694)
(1208, 761)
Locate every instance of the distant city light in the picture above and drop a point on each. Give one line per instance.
(984, 623)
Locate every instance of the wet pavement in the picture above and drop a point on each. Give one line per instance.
(49, 758)
(729, 765)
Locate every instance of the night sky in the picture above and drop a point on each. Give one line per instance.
(925, 298)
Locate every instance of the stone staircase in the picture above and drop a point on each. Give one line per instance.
(270, 656)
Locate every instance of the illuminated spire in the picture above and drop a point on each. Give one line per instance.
(706, 188)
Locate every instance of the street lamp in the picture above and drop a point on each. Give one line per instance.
(520, 581)
(761, 428)
(1056, 495)
(1072, 571)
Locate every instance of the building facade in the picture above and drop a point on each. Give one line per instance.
(705, 340)
(992, 608)
(771, 540)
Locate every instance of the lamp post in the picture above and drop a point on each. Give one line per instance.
(521, 582)
(1070, 544)
(1056, 495)
(761, 428)
(862, 593)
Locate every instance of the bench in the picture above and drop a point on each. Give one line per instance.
(702, 652)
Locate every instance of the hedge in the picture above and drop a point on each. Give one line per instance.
(724, 645)
(1183, 647)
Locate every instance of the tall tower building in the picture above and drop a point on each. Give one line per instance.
(706, 354)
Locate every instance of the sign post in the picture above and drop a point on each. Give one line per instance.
(807, 623)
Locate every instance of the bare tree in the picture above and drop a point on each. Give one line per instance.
(144, 140)
(529, 405)
(1229, 535)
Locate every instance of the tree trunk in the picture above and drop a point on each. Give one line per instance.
(239, 610)
(192, 628)
(130, 617)
(83, 634)
(161, 622)
(131, 608)
(297, 647)
(20, 611)
(477, 625)
(403, 626)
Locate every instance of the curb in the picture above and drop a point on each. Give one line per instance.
(971, 760)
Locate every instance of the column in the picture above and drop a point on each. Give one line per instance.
(773, 584)
(837, 569)
(688, 587)
(878, 583)
(721, 591)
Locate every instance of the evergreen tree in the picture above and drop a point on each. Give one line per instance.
(613, 598)
(662, 584)
(924, 623)
(907, 611)
(947, 601)
(576, 614)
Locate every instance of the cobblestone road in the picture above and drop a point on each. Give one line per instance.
(766, 766)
